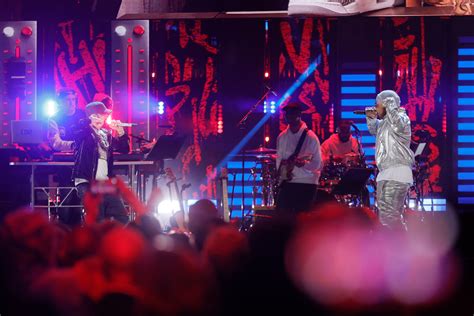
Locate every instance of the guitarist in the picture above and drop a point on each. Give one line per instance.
(298, 162)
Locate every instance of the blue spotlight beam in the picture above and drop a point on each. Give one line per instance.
(301, 79)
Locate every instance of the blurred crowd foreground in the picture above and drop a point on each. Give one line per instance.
(332, 260)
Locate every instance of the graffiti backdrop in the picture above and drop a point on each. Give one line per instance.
(185, 60)
(417, 70)
(303, 68)
(80, 54)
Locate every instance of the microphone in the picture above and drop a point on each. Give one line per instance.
(271, 90)
(363, 112)
(126, 124)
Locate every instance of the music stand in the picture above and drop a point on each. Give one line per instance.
(419, 149)
(166, 147)
(353, 181)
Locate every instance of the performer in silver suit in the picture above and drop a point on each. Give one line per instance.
(393, 156)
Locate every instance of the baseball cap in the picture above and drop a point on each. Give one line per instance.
(96, 108)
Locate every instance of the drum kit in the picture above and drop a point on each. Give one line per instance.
(332, 173)
(343, 179)
(266, 157)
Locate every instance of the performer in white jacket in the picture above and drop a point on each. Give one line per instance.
(298, 174)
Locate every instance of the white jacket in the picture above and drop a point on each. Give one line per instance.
(286, 145)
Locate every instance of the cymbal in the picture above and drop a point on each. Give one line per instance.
(261, 150)
(352, 155)
(267, 157)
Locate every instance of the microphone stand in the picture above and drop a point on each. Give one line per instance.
(362, 163)
(359, 145)
(252, 109)
(241, 124)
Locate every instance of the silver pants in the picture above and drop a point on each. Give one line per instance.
(390, 201)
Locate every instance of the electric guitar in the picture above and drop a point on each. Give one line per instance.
(286, 167)
(285, 172)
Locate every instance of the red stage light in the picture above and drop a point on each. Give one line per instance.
(267, 139)
(267, 74)
(27, 31)
(139, 30)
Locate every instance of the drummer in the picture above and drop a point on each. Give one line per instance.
(341, 147)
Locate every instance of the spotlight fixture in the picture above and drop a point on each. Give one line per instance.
(27, 31)
(161, 108)
(139, 30)
(50, 107)
(8, 31)
(120, 30)
(272, 107)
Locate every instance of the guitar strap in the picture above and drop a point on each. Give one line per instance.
(300, 144)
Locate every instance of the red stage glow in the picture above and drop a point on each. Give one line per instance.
(129, 83)
(267, 74)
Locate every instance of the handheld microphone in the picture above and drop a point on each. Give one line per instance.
(127, 124)
(364, 111)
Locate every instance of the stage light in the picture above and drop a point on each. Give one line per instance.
(161, 108)
(51, 107)
(27, 31)
(153, 74)
(120, 30)
(168, 207)
(8, 31)
(165, 210)
(264, 106)
(138, 30)
(267, 74)
(220, 127)
(267, 139)
(380, 72)
(220, 120)
(272, 107)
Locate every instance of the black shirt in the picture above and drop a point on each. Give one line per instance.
(67, 124)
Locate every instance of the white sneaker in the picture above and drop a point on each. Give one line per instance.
(338, 7)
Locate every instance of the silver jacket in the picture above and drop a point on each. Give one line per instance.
(393, 133)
